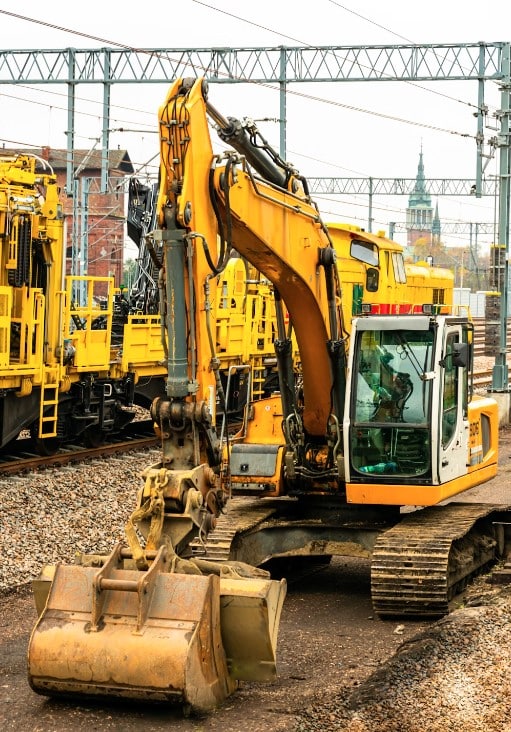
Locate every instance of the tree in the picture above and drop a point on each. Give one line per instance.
(129, 270)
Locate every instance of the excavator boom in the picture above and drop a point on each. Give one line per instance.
(151, 620)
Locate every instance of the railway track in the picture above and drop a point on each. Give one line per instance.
(22, 456)
(483, 370)
(483, 378)
(480, 348)
(479, 343)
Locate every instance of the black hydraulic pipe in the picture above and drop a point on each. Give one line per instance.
(284, 352)
(234, 133)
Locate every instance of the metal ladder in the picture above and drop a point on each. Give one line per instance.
(48, 409)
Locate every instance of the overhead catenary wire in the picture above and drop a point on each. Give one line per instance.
(306, 44)
(261, 84)
(356, 109)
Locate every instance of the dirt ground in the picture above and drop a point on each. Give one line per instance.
(329, 640)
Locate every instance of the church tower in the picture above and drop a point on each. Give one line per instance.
(419, 214)
(436, 228)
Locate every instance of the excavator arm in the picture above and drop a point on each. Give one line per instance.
(251, 202)
(153, 620)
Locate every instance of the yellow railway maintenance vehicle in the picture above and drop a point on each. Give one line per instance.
(322, 467)
(61, 374)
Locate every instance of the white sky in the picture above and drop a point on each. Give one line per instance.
(322, 138)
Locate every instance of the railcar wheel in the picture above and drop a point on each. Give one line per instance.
(44, 446)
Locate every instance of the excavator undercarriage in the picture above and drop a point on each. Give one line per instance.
(420, 560)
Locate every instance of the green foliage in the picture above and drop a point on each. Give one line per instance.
(128, 272)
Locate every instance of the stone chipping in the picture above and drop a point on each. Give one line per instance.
(49, 515)
(455, 677)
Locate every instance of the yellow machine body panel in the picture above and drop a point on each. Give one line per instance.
(142, 344)
(91, 345)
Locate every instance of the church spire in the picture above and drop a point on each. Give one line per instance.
(420, 196)
(436, 228)
(419, 214)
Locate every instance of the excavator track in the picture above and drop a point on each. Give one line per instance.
(242, 515)
(420, 564)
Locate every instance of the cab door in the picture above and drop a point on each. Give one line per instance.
(453, 425)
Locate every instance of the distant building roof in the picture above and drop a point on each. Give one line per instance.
(118, 160)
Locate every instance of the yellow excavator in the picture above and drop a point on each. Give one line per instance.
(357, 429)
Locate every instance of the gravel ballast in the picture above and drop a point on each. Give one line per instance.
(455, 677)
(50, 515)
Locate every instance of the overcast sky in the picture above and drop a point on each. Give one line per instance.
(382, 137)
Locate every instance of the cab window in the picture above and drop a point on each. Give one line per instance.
(450, 392)
(364, 251)
(399, 267)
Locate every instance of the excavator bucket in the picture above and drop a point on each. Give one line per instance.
(154, 635)
(250, 614)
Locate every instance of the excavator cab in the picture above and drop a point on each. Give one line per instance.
(390, 432)
(412, 423)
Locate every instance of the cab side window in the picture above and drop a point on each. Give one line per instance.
(450, 393)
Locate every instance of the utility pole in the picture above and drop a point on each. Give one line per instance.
(500, 376)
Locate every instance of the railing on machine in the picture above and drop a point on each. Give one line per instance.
(87, 323)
